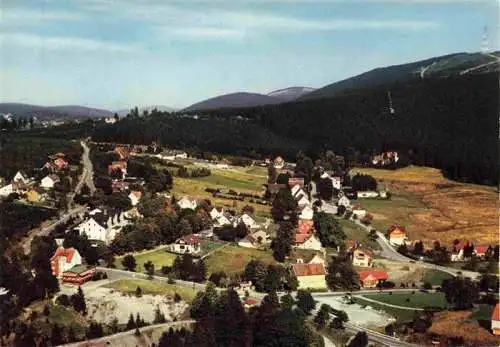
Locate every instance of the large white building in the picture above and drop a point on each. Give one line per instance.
(106, 229)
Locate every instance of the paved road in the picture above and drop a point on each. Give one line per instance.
(45, 231)
(389, 305)
(389, 252)
(108, 339)
(88, 172)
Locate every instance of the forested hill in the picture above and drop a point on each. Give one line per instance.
(448, 123)
(226, 136)
(438, 67)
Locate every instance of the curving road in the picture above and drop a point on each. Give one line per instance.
(389, 252)
(87, 174)
(107, 340)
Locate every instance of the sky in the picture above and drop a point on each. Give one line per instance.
(117, 54)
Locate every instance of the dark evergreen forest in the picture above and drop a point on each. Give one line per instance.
(450, 124)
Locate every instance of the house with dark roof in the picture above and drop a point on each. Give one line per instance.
(310, 276)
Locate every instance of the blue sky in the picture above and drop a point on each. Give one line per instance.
(116, 54)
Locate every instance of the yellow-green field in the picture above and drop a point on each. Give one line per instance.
(149, 287)
(356, 233)
(433, 207)
(159, 258)
(233, 259)
(245, 180)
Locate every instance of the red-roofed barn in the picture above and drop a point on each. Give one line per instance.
(310, 275)
(370, 278)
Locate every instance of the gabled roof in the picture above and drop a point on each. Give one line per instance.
(308, 269)
(377, 274)
(68, 253)
(363, 251)
(496, 313)
(191, 239)
(396, 229)
(481, 249)
(305, 226)
(136, 193)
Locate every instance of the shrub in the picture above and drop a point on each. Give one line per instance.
(177, 297)
(63, 300)
(427, 285)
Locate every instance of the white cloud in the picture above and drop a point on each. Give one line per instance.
(60, 43)
(206, 33)
(29, 16)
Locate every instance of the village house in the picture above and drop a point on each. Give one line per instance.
(135, 197)
(216, 213)
(223, 219)
(255, 240)
(310, 276)
(7, 190)
(344, 201)
(362, 257)
(118, 166)
(249, 303)
(64, 259)
(306, 212)
(495, 320)
(20, 176)
(247, 220)
(119, 186)
(308, 241)
(78, 275)
(187, 202)
(103, 226)
(33, 196)
(358, 211)
(371, 278)
(60, 163)
(302, 200)
(337, 183)
(189, 244)
(49, 181)
(397, 235)
(308, 258)
(278, 163)
(122, 152)
(457, 251)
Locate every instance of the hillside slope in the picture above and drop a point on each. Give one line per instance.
(291, 93)
(50, 112)
(242, 99)
(437, 67)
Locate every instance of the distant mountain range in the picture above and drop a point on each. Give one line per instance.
(437, 67)
(245, 99)
(19, 110)
(161, 108)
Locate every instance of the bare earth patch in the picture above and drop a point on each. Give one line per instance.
(105, 304)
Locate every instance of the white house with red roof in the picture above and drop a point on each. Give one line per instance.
(135, 197)
(308, 241)
(397, 235)
(370, 278)
(188, 244)
(457, 253)
(362, 257)
(495, 320)
(63, 260)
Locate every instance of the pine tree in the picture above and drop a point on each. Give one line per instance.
(137, 332)
(56, 336)
(159, 316)
(131, 322)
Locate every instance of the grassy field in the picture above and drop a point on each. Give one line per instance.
(149, 287)
(417, 300)
(436, 277)
(239, 179)
(400, 315)
(233, 259)
(355, 232)
(482, 312)
(60, 315)
(159, 258)
(433, 207)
